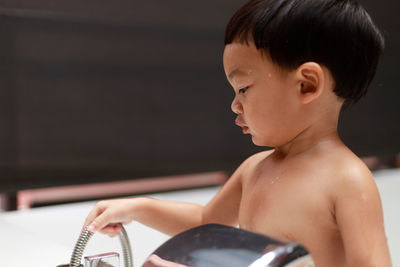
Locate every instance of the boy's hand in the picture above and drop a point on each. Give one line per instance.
(107, 214)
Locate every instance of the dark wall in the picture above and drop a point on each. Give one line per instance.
(372, 126)
(100, 90)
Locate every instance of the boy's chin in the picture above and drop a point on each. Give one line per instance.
(256, 141)
(260, 143)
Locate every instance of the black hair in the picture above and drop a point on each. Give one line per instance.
(338, 34)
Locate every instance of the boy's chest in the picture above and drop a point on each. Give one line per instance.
(286, 205)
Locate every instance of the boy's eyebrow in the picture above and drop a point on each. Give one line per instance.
(235, 72)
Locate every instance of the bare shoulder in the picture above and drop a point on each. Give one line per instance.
(256, 158)
(358, 210)
(251, 162)
(248, 165)
(352, 177)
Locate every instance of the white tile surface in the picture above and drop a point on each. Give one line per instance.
(46, 236)
(388, 182)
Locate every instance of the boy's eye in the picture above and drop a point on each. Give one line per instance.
(243, 90)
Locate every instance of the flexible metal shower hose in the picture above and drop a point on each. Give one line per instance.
(83, 240)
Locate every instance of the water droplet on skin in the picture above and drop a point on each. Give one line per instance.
(269, 75)
(272, 182)
(277, 178)
(364, 196)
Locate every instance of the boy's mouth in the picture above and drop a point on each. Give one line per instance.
(245, 129)
(239, 123)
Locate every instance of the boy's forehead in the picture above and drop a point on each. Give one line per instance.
(240, 59)
(240, 51)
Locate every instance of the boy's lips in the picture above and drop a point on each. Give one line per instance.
(240, 123)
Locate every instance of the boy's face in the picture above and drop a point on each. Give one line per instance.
(265, 96)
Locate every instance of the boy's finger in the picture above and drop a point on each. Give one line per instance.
(96, 211)
(99, 222)
(111, 230)
(89, 219)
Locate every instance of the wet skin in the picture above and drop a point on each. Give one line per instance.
(309, 189)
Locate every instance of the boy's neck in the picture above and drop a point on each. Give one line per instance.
(320, 131)
(311, 138)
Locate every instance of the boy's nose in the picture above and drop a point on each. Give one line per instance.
(236, 107)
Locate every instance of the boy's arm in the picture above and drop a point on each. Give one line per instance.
(359, 216)
(168, 216)
(174, 217)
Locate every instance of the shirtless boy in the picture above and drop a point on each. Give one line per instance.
(292, 64)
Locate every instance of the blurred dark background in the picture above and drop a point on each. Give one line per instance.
(111, 90)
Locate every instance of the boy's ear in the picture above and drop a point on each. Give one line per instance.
(310, 81)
